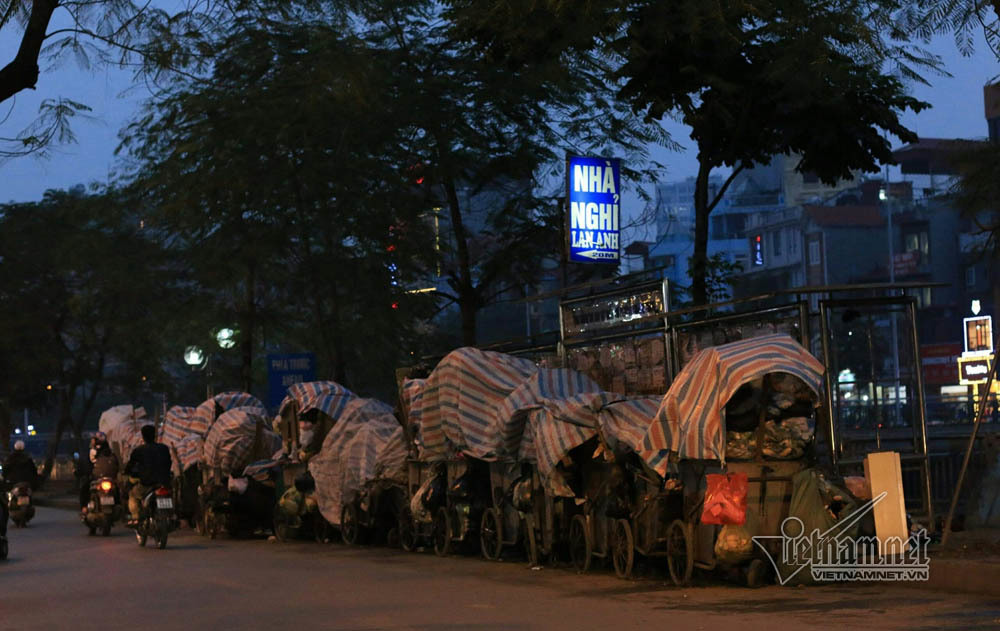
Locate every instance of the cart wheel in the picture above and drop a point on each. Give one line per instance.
(680, 552)
(581, 544)
(491, 535)
(404, 529)
(442, 532)
(622, 548)
(756, 573)
(530, 545)
(350, 529)
(282, 531)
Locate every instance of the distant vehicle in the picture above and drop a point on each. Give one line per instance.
(19, 504)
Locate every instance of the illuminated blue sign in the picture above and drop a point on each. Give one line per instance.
(594, 192)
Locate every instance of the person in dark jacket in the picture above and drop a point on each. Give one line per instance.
(19, 467)
(148, 466)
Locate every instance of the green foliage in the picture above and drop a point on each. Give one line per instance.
(293, 150)
(84, 292)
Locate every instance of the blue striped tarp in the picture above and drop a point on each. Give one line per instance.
(238, 437)
(559, 426)
(176, 424)
(230, 400)
(690, 419)
(331, 403)
(457, 408)
(546, 384)
(201, 420)
(188, 451)
(366, 444)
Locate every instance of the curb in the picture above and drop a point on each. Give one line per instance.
(961, 575)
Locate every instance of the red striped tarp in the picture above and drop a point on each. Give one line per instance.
(457, 409)
(177, 424)
(331, 403)
(238, 437)
(188, 451)
(230, 400)
(412, 391)
(302, 393)
(545, 385)
(204, 415)
(690, 421)
(125, 435)
(559, 426)
(365, 444)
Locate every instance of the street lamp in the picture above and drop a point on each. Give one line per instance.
(226, 338)
(194, 356)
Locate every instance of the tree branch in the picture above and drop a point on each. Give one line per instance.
(725, 186)
(22, 72)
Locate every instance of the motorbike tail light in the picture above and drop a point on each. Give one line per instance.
(162, 491)
(106, 486)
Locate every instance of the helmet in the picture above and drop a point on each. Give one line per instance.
(19, 445)
(101, 437)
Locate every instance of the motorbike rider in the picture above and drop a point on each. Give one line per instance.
(103, 464)
(148, 466)
(19, 467)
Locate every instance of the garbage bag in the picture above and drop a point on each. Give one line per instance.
(819, 506)
(733, 546)
(725, 499)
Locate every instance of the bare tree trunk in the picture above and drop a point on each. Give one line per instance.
(340, 362)
(699, 261)
(468, 300)
(65, 421)
(5, 425)
(22, 72)
(250, 322)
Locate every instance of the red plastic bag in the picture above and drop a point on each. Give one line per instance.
(725, 499)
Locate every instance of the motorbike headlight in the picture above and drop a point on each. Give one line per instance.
(106, 486)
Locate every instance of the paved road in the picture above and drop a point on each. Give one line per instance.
(58, 578)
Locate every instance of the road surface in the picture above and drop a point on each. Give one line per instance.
(59, 578)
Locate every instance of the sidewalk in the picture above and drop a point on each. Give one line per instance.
(57, 494)
(970, 564)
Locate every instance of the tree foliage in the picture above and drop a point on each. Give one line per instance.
(82, 291)
(753, 79)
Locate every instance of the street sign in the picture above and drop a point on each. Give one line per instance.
(978, 333)
(593, 190)
(285, 370)
(974, 370)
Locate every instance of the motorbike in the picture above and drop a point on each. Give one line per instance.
(19, 504)
(157, 517)
(104, 509)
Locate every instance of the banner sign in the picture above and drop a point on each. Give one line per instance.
(938, 361)
(973, 370)
(593, 187)
(284, 370)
